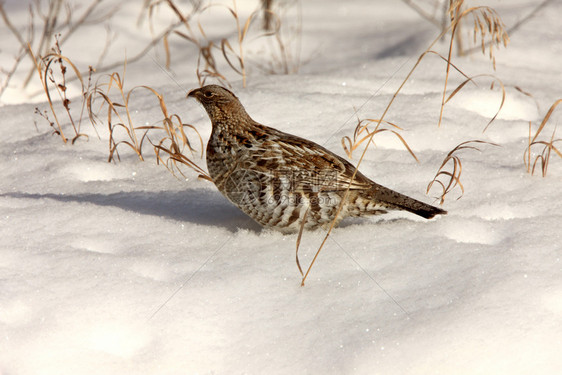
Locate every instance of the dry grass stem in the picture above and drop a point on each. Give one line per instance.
(59, 18)
(492, 86)
(206, 62)
(363, 133)
(299, 237)
(267, 14)
(171, 150)
(487, 26)
(529, 95)
(449, 178)
(118, 116)
(51, 81)
(547, 146)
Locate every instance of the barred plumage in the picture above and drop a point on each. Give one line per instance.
(279, 179)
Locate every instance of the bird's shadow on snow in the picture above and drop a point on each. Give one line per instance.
(202, 207)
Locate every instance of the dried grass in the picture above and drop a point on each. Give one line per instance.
(492, 86)
(362, 134)
(206, 62)
(299, 237)
(488, 28)
(230, 51)
(171, 141)
(547, 146)
(237, 55)
(51, 81)
(449, 173)
(122, 129)
(171, 149)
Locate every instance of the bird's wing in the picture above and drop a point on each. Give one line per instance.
(306, 162)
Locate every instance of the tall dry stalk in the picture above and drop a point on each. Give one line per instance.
(363, 133)
(52, 82)
(487, 23)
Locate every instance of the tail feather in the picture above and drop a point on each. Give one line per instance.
(400, 201)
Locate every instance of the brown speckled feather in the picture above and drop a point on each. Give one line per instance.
(276, 177)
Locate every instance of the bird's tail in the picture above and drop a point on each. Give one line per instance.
(395, 200)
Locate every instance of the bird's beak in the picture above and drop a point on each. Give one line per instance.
(192, 93)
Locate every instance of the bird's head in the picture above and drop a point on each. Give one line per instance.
(220, 103)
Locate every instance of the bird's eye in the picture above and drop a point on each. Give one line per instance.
(208, 94)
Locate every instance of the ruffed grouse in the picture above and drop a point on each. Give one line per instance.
(279, 179)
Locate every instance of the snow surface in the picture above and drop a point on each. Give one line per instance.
(124, 269)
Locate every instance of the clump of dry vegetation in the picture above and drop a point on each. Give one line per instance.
(437, 13)
(53, 70)
(488, 27)
(448, 175)
(109, 103)
(362, 133)
(231, 51)
(123, 130)
(546, 147)
(218, 56)
(284, 44)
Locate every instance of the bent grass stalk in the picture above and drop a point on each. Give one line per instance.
(44, 67)
(362, 133)
(299, 237)
(494, 80)
(486, 21)
(226, 48)
(119, 110)
(449, 179)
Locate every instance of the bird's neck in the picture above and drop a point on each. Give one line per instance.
(232, 133)
(226, 113)
(229, 122)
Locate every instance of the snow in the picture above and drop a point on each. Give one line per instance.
(122, 268)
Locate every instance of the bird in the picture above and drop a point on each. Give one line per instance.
(285, 182)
